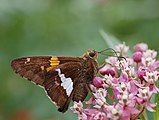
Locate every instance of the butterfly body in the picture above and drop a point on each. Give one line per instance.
(64, 78)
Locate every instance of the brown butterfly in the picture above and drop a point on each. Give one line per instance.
(64, 78)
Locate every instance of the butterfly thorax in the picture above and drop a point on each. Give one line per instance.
(90, 65)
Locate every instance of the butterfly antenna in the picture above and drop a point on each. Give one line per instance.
(108, 49)
(113, 51)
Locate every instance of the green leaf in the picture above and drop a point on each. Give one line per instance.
(112, 41)
(109, 39)
(156, 114)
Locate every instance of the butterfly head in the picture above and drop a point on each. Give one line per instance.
(90, 54)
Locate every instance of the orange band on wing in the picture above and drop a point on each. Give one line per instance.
(53, 63)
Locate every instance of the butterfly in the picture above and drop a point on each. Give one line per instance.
(63, 78)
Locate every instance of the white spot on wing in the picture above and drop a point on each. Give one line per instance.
(67, 83)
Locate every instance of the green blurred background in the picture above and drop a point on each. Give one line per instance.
(63, 27)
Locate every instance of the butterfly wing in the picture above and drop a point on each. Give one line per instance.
(61, 81)
(34, 68)
(64, 78)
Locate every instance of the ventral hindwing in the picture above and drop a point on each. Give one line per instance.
(64, 78)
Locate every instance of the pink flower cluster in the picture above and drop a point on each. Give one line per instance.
(125, 87)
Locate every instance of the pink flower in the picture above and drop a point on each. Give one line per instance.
(150, 53)
(149, 106)
(141, 47)
(122, 64)
(125, 99)
(142, 72)
(109, 68)
(129, 71)
(97, 82)
(137, 57)
(97, 115)
(132, 88)
(122, 48)
(114, 112)
(100, 98)
(100, 116)
(77, 107)
(144, 96)
(124, 88)
(151, 78)
(108, 81)
(108, 71)
(148, 62)
(155, 65)
(111, 61)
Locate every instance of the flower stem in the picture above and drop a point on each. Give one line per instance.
(141, 110)
(112, 100)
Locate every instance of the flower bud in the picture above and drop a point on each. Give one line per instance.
(97, 82)
(107, 71)
(137, 57)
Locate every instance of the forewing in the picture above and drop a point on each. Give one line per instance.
(31, 68)
(34, 68)
(61, 81)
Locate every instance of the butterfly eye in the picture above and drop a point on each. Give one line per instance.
(91, 54)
